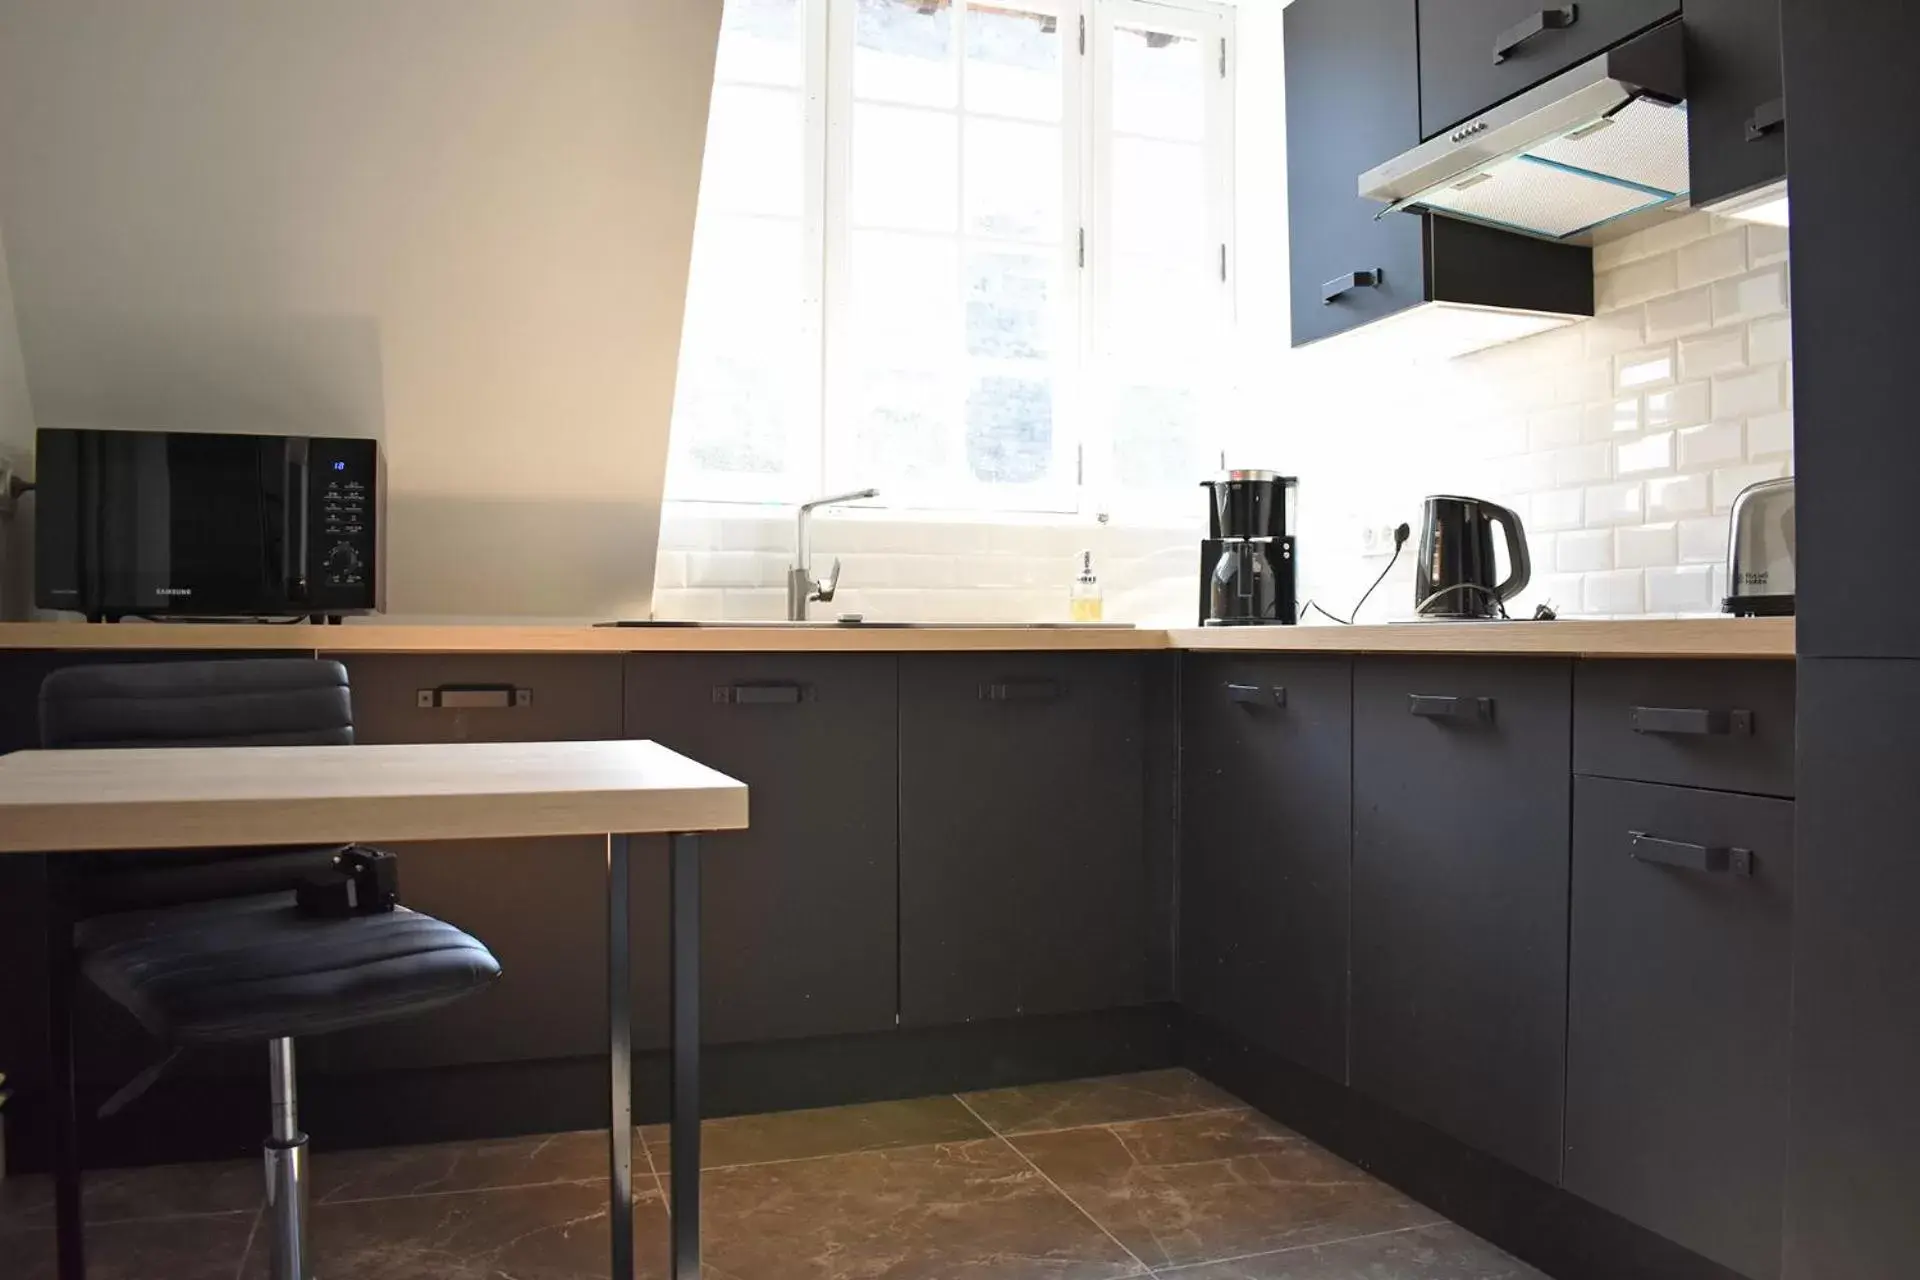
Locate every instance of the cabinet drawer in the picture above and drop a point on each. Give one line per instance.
(483, 697)
(799, 911)
(1460, 75)
(1724, 725)
(1677, 1029)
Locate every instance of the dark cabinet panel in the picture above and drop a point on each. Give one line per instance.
(1266, 842)
(1352, 102)
(1854, 1144)
(1461, 775)
(1460, 74)
(1022, 859)
(539, 905)
(1677, 1026)
(1736, 129)
(798, 912)
(1725, 725)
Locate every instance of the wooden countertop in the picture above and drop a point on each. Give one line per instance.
(1653, 638)
(213, 797)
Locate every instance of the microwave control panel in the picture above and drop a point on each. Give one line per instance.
(344, 522)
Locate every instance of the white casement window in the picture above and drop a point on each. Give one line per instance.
(974, 253)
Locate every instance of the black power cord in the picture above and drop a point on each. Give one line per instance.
(1400, 536)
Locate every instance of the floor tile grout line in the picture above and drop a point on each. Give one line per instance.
(1100, 1226)
(659, 1185)
(246, 1250)
(1109, 1124)
(1297, 1248)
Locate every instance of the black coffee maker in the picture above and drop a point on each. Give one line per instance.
(1246, 562)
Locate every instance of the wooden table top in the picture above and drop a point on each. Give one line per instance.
(211, 797)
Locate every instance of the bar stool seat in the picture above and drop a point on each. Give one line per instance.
(254, 968)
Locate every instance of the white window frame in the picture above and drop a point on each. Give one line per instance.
(827, 93)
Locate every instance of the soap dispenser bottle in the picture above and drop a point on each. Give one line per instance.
(1084, 599)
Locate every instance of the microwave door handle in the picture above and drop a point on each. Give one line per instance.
(293, 543)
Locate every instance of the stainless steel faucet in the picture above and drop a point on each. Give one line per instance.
(802, 589)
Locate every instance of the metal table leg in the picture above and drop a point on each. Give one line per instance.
(619, 1061)
(685, 1046)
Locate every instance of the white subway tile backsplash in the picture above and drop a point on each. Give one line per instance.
(1680, 406)
(1636, 282)
(1560, 509)
(1689, 311)
(1644, 546)
(1740, 395)
(1617, 503)
(1617, 591)
(1729, 481)
(1748, 297)
(1553, 429)
(1714, 258)
(1686, 589)
(1611, 332)
(1712, 353)
(1581, 551)
(1674, 233)
(1643, 369)
(1703, 541)
(1770, 434)
(1583, 464)
(1766, 244)
(1714, 443)
(1770, 340)
(723, 569)
(1649, 453)
(1670, 496)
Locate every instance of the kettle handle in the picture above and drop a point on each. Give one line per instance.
(1518, 557)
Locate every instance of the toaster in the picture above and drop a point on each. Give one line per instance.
(1760, 557)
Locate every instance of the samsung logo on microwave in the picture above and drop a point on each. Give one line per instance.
(173, 591)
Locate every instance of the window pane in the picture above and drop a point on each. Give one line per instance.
(1159, 193)
(1159, 441)
(760, 43)
(744, 355)
(906, 168)
(1160, 311)
(755, 150)
(1159, 84)
(905, 299)
(1013, 180)
(1009, 305)
(1010, 428)
(903, 52)
(1013, 63)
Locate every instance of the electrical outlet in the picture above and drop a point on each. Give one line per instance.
(1376, 539)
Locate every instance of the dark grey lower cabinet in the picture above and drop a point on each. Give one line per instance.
(539, 905)
(1460, 863)
(1022, 855)
(1677, 1030)
(1266, 840)
(799, 911)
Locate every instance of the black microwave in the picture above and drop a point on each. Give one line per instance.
(204, 525)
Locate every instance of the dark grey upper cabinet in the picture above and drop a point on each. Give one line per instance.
(1461, 773)
(1461, 74)
(1022, 851)
(798, 912)
(1352, 102)
(1736, 108)
(1677, 1028)
(1266, 842)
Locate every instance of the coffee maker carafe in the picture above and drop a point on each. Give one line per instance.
(1247, 560)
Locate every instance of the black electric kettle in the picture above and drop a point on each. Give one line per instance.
(1454, 577)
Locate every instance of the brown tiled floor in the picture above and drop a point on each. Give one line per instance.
(1157, 1174)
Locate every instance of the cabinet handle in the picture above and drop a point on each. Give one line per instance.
(463, 697)
(1020, 691)
(1436, 707)
(1334, 289)
(1766, 117)
(767, 693)
(1692, 721)
(1719, 859)
(1555, 19)
(1252, 695)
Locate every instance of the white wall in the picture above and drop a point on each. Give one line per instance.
(461, 225)
(16, 411)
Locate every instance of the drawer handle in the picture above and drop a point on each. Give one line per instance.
(769, 693)
(1766, 117)
(1333, 290)
(1555, 19)
(1253, 695)
(1719, 859)
(1692, 721)
(1020, 691)
(1464, 710)
(467, 697)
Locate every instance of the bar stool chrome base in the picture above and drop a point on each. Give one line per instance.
(285, 1154)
